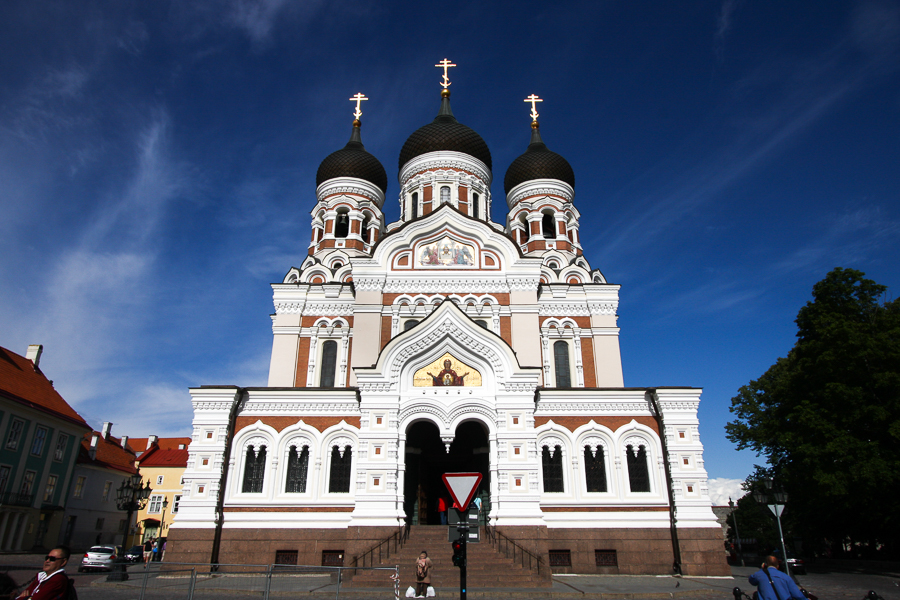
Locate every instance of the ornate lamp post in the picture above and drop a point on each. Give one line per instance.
(779, 498)
(131, 496)
(737, 535)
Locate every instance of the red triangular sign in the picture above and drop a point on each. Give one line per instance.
(462, 487)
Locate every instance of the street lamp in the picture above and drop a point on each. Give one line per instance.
(737, 535)
(779, 498)
(131, 496)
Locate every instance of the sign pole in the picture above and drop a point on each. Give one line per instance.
(463, 537)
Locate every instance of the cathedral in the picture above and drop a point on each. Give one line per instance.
(447, 342)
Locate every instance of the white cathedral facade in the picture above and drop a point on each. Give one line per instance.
(446, 342)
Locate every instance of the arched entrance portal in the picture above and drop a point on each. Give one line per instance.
(427, 460)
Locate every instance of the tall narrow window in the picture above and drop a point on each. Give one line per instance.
(548, 226)
(445, 195)
(254, 470)
(37, 444)
(329, 360)
(561, 364)
(298, 465)
(342, 225)
(553, 470)
(415, 205)
(4, 477)
(475, 211)
(407, 325)
(594, 469)
(638, 475)
(339, 480)
(364, 233)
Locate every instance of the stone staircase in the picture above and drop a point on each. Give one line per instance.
(487, 568)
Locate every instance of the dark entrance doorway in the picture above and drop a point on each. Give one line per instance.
(427, 460)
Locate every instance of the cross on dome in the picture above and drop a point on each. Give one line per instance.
(534, 100)
(358, 98)
(446, 64)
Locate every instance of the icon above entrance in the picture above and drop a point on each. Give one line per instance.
(447, 371)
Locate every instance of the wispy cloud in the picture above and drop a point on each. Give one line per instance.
(723, 26)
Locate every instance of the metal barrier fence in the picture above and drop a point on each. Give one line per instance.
(172, 581)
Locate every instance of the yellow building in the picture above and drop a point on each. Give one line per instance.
(162, 464)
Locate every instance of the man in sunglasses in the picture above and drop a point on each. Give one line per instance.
(51, 582)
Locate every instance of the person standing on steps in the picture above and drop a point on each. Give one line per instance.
(423, 574)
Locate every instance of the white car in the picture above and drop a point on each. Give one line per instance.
(99, 557)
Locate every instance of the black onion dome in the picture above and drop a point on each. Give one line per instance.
(538, 163)
(445, 133)
(353, 161)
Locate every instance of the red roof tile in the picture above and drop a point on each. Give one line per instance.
(157, 457)
(140, 444)
(110, 454)
(21, 382)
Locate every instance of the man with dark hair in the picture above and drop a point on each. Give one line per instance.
(51, 582)
(773, 584)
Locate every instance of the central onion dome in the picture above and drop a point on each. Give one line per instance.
(445, 133)
(353, 161)
(538, 162)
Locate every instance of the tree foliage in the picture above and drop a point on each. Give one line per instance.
(827, 416)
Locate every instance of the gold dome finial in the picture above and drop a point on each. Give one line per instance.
(534, 114)
(358, 98)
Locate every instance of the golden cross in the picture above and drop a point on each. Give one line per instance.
(533, 99)
(446, 64)
(358, 98)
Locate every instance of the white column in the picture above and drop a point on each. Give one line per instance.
(579, 367)
(345, 348)
(311, 370)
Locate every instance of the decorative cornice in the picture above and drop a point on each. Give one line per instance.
(603, 308)
(289, 308)
(445, 159)
(448, 285)
(368, 284)
(350, 185)
(597, 407)
(540, 187)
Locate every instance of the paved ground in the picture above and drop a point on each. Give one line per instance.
(826, 584)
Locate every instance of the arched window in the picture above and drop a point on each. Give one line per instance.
(407, 325)
(415, 205)
(365, 228)
(548, 226)
(445, 195)
(638, 474)
(475, 211)
(553, 470)
(481, 323)
(329, 361)
(298, 465)
(594, 469)
(342, 225)
(339, 481)
(561, 364)
(254, 470)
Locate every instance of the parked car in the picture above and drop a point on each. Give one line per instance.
(135, 554)
(798, 567)
(99, 557)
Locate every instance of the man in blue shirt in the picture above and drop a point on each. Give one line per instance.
(773, 584)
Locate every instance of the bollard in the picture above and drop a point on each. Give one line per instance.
(118, 570)
(736, 592)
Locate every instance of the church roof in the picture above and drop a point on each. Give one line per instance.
(353, 161)
(538, 162)
(445, 133)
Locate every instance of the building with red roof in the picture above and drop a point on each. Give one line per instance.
(92, 516)
(162, 464)
(38, 451)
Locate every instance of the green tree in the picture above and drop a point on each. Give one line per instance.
(827, 416)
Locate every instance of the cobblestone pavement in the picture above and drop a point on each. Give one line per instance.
(827, 585)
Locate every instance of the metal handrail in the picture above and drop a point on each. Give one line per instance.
(383, 548)
(498, 538)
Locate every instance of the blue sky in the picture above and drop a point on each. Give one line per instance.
(158, 159)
